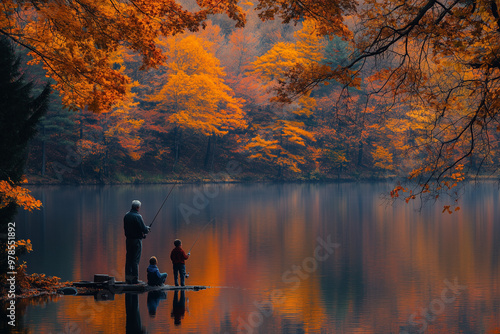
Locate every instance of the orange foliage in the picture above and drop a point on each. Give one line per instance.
(192, 90)
(438, 69)
(395, 191)
(282, 140)
(329, 15)
(33, 284)
(76, 40)
(11, 193)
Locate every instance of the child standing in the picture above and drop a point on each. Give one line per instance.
(154, 276)
(178, 257)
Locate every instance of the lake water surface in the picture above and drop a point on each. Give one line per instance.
(280, 258)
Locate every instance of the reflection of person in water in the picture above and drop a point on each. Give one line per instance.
(154, 298)
(133, 324)
(179, 307)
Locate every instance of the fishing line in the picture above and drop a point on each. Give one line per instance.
(168, 195)
(199, 234)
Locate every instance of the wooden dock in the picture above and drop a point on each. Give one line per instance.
(105, 282)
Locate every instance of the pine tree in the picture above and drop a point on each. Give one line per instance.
(20, 112)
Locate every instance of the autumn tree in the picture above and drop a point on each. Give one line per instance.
(410, 45)
(74, 39)
(278, 148)
(284, 129)
(242, 49)
(341, 141)
(109, 141)
(193, 95)
(382, 158)
(243, 46)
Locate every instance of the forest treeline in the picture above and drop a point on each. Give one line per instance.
(289, 90)
(212, 102)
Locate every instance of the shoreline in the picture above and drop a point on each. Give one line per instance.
(36, 180)
(34, 292)
(237, 181)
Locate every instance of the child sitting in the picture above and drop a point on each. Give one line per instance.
(154, 276)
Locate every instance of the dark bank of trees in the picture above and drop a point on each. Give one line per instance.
(22, 107)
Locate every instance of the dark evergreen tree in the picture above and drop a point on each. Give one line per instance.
(56, 128)
(20, 112)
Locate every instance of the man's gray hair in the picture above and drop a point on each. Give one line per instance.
(136, 204)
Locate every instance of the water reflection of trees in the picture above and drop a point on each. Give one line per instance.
(21, 308)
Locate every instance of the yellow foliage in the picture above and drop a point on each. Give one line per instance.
(276, 63)
(307, 105)
(309, 43)
(272, 67)
(122, 125)
(382, 158)
(194, 92)
(285, 134)
(283, 57)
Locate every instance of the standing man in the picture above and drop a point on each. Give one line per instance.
(135, 231)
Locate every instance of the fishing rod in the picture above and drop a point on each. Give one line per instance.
(162, 204)
(168, 195)
(199, 234)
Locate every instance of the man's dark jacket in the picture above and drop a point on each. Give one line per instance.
(134, 225)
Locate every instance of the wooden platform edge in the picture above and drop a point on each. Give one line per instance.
(122, 287)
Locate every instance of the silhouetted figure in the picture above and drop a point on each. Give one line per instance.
(135, 231)
(133, 322)
(178, 307)
(178, 257)
(155, 278)
(154, 298)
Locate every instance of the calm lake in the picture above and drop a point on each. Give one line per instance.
(279, 258)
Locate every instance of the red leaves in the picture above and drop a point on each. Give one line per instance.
(395, 191)
(447, 208)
